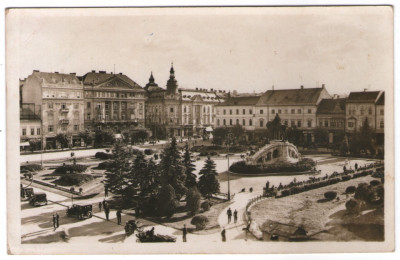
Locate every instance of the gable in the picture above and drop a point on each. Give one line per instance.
(116, 83)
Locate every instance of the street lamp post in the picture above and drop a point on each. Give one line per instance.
(229, 186)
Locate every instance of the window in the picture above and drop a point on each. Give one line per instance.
(292, 123)
(23, 131)
(63, 128)
(309, 111)
(237, 121)
(309, 123)
(49, 105)
(184, 109)
(320, 123)
(381, 124)
(250, 122)
(76, 127)
(237, 111)
(261, 123)
(38, 131)
(293, 111)
(224, 111)
(230, 111)
(279, 111)
(381, 112)
(261, 111)
(250, 111)
(50, 128)
(230, 121)
(78, 94)
(286, 123)
(217, 122)
(244, 111)
(171, 110)
(244, 121)
(32, 131)
(99, 127)
(298, 123)
(273, 111)
(298, 111)
(362, 111)
(286, 111)
(326, 123)
(370, 111)
(350, 124)
(88, 105)
(224, 122)
(63, 106)
(50, 116)
(88, 116)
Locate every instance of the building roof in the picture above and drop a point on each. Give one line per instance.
(55, 77)
(362, 97)
(381, 100)
(203, 95)
(95, 78)
(241, 101)
(332, 106)
(302, 96)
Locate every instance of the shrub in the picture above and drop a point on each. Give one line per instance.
(105, 165)
(31, 168)
(200, 222)
(74, 179)
(193, 197)
(353, 206)
(346, 178)
(203, 154)
(72, 189)
(285, 193)
(362, 192)
(80, 190)
(351, 189)
(148, 151)
(103, 156)
(206, 205)
(304, 165)
(378, 174)
(375, 183)
(330, 195)
(70, 168)
(166, 201)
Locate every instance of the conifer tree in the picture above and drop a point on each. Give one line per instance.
(172, 170)
(208, 183)
(189, 169)
(138, 175)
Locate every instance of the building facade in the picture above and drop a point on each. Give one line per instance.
(295, 107)
(175, 111)
(113, 103)
(240, 110)
(30, 125)
(331, 116)
(58, 100)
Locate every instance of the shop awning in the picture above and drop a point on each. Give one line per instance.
(209, 129)
(24, 144)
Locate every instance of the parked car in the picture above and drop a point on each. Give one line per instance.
(38, 199)
(26, 193)
(80, 211)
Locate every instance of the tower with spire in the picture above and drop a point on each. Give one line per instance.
(151, 86)
(172, 84)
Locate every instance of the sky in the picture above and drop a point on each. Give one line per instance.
(242, 49)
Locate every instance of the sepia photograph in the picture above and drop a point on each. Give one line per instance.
(200, 130)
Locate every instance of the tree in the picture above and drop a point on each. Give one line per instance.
(193, 197)
(237, 132)
(35, 144)
(153, 176)
(366, 136)
(208, 183)
(321, 136)
(140, 136)
(62, 139)
(189, 169)
(139, 175)
(102, 137)
(294, 135)
(167, 201)
(86, 137)
(172, 170)
(275, 128)
(219, 135)
(117, 173)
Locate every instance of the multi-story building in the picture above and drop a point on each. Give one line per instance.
(380, 120)
(30, 125)
(331, 116)
(296, 108)
(239, 110)
(58, 99)
(113, 103)
(362, 106)
(179, 111)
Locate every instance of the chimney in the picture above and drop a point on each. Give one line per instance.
(323, 85)
(120, 73)
(197, 88)
(73, 73)
(93, 71)
(102, 71)
(212, 89)
(301, 87)
(36, 70)
(56, 72)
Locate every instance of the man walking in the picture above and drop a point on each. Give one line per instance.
(57, 220)
(223, 235)
(54, 222)
(184, 233)
(105, 191)
(119, 217)
(235, 216)
(100, 206)
(229, 213)
(107, 211)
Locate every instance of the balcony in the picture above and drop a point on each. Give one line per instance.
(64, 121)
(64, 110)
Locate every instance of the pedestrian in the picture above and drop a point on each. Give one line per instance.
(100, 206)
(105, 191)
(229, 213)
(57, 220)
(344, 169)
(223, 235)
(235, 216)
(104, 204)
(107, 211)
(184, 233)
(54, 222)
(119, 217)
(356, 166)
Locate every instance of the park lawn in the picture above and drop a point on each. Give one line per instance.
(179, 219)
(310, 210)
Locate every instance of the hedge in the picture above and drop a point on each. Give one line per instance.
(103, 155)
(304, 165)
(70, 169)
(30, 168)
(200, 222)
(74, 179)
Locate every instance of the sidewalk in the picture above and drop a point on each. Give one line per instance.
(37, 157)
